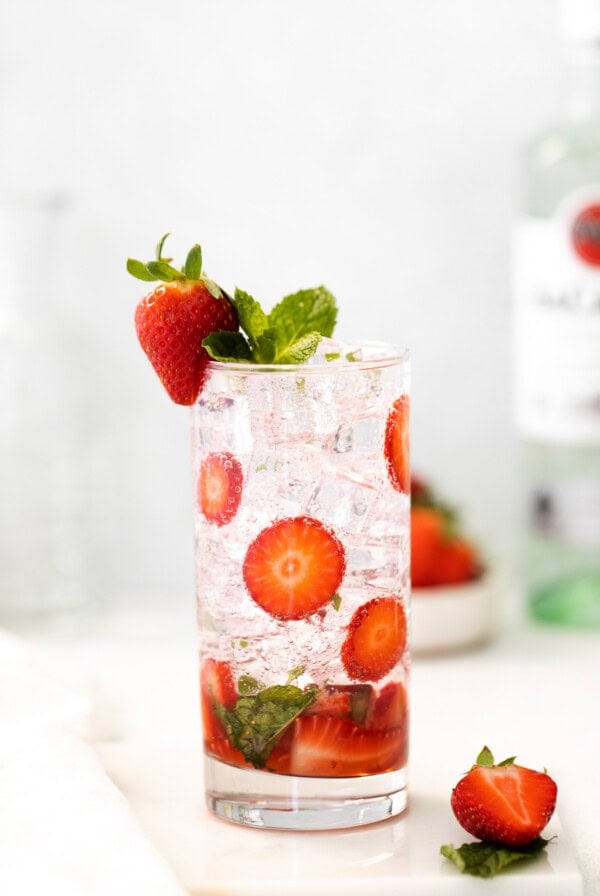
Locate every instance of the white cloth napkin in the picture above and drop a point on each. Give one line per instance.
(65, 829)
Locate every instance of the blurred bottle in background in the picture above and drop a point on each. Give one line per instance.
(46, 544)
(556, 276)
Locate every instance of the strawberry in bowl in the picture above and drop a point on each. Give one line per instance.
(452, 590)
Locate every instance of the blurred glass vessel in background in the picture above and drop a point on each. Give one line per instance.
(557, 338)
(45, 542)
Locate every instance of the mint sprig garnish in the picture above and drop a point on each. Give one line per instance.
(289, 334)
(486, 859)
(256, 722)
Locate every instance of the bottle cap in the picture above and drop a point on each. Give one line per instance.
(579, 21)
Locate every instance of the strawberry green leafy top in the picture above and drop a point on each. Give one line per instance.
(288, 334)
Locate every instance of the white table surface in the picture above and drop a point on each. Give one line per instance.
(533, 691)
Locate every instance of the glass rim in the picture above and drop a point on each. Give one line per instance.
(384, 354)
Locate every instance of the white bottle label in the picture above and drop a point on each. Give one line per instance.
(556, 270)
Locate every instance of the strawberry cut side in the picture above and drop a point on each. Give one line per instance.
(327, 747)
(220, 487)
(294, 567)
(376, 639)
(344, 701)
(506, 804)
(397, 445)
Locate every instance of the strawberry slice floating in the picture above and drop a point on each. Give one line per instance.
(376, 639)
(505, 803)
(325, 746)
(220, 487)
(294, 567)
(397, 445)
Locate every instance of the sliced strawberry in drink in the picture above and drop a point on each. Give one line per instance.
(221, 748)
(349, 701)
(220, 487)
(376, 639)
(397, 445)
(390, 708)
(294, 567)
(326, 747)
(217, 686)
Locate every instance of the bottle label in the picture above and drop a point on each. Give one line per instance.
(556, 288)
(568, 510)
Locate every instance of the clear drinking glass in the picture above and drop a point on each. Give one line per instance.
(46, 545)
(302, 547)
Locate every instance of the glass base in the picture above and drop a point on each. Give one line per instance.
(285, 802)
(574, 601)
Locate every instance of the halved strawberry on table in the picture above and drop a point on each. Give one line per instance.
(294, 567)
(328, 747)
(376, 639)
(503, 803)
(173, 319)
(219, 488)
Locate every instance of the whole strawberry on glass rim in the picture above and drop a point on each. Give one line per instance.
(172, 320)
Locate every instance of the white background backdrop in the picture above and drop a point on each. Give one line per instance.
(370, 145)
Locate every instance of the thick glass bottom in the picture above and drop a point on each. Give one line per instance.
(572, 601)
(286, 802)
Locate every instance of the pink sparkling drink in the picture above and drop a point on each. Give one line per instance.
(302, 546)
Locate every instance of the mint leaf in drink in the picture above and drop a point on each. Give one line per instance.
(248, 685)
(486, 860)
(223, 345)
(256, 722)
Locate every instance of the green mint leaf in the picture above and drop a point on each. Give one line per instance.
(164, 271)
(265, 347)
(306, 311)
(252, 318)
(360, 703)
(485, 758)
(256, 722)
(295, 673)
(193, 263)
(248, 685)
(301, 350)
(355, 355)
(224, 345)
(140, 270)
(486, 859)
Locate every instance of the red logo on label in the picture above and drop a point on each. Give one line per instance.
(585, 234)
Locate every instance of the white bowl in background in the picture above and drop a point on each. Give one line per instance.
(451, 617)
